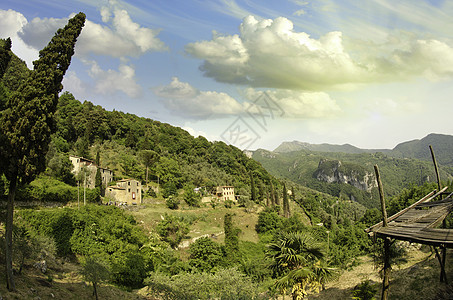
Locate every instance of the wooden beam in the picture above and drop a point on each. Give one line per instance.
(427, 198)
(439, 184)
(381, 196)
(386, 279)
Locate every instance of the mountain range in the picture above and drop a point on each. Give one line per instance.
(419, 149)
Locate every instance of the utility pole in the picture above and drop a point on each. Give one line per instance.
(328, 232)
(78, 194)
(84, 189)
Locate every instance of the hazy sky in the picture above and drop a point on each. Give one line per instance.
(257, 73)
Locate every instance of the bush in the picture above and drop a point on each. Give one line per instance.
(169, 189)
(128, 267)
(224, 284)
(100, 231)
(268, 221)
(172, 230)
(364, 291)
(228, 203)
(172, 203)
(205, 255)
(56, 224)
(46, 189)
(190, 196)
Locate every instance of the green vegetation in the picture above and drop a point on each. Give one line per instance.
(264, 245)
(303, 166)
(26, 120)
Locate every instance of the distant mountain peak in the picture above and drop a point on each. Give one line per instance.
(418, 148)
(297, 146)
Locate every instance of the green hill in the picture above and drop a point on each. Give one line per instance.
(297, 146)
(441, 143)
(303, 167)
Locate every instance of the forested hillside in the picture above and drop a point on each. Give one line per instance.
(396, 173)
(442, 144)
(173, 154)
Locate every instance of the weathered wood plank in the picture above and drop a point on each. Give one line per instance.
(428, 197)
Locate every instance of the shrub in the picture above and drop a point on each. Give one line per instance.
(172, 202)
(190, 196)
(205, 255)
(268, 221)
(172, 230)
(224, 284)
(228, 203)
(364, 291)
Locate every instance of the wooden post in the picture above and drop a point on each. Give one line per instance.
(442, 259)
(439, 184)
(386, 279)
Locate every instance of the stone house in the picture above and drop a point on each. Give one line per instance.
(225, 193)
(126, 191)
(80, 163)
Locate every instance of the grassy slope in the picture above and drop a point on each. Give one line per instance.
(62, 281)
(206, 219)
(416, 279)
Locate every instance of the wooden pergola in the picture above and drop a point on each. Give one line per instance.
(418, 223)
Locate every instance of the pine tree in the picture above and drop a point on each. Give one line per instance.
(28, 120)
(147, 157)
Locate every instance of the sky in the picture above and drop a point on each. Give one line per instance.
(257, 73)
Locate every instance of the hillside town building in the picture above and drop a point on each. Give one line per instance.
(225, 193)
(88, 168)
(126, 191)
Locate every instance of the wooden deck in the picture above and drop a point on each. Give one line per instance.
(418, 222)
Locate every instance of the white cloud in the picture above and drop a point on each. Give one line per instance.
(120, 37)
(38, 32)
(11, 24)
(299, 12)
(270, 53)
(185, 100)
(111, 81)
(73, 84)
(196, 133)
(301, 105)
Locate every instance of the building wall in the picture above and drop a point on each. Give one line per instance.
(79, 162)
(226, 193)
(126, 191)
(107, 176)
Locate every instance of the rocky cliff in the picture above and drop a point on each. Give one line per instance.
(334, 171)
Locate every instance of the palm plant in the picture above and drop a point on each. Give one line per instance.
(297, 258)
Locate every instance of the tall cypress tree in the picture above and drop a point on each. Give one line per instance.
(285, 202)
(98, 178)
(28, 120)
(5, 56)
(252, 187)
(231, 239)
